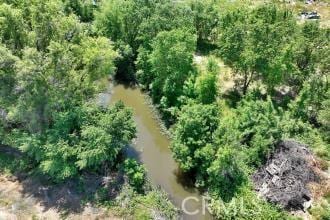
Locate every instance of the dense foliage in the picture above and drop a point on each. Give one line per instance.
(265, 48)
(50, 71)
(54, 55)
(136, 173)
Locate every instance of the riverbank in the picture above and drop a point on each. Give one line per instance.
(151, 147)
(156, 115)
(26, 195)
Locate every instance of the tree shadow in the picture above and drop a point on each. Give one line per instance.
(185, 179)
(232, 97)
(126, 84)
(68, 197)
(10, 151)
(205, 48)
(131, 152)
(64, 197)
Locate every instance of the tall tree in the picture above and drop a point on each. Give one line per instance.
(206, 20)
(7, 76)
(171, 63)
(13, 29)
(256, 44)
(192, 144)
(46, 90)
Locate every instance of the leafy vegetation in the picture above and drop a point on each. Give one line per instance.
(249, 42)
(50, 68)
(54, 55)
(135, 173)
(155, 204)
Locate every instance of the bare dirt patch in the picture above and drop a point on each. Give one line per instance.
(25, 194)
(32, 198)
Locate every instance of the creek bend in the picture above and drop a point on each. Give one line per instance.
(151, 147)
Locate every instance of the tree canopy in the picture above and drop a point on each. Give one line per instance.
(230, 80)
(51, 66)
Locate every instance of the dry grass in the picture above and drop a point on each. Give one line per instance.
(321, 7)
(225, 75)
(16, 202)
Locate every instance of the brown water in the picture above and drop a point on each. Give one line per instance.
(151, 147)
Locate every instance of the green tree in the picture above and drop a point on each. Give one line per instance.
(134, 25)
(193, 137)
(165, 15)
(97, 57)
(256, 44)
(308, 103)
(62, 78)
(226, 174)
(13, 30)
(120, 20)
(310, 54)
(324, 115)
(33, 80)
(253, 129)
(206, 20)
(45, 88)
(206, 88)
(258, 126)
(7, 76)
(43, 18)
(171, 63)
(86, 137)
(84, 9)
(144, 74)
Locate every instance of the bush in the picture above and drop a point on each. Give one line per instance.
(193, 137)
(226, 175)
(246, 206)
(206, 88)
(254, 128)
(154, 204)
(83, 138)
(136, 174)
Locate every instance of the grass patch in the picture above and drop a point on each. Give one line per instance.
(154, 204)
(322, 209)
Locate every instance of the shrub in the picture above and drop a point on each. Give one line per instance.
(83, 138)
(136, 174)
(246, 206)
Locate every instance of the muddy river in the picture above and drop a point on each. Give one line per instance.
(151, 147)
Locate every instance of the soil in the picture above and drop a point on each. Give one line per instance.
(290, 176)
(24, 196)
